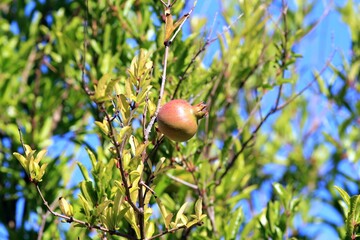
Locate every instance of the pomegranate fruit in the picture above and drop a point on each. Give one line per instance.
(178, 119)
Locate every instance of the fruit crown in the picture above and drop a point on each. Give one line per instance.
(200, 110)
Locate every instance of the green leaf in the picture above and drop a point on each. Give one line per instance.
(103, 126)
(41, 172)
(198, 208)
(353, 217)
(40, 156)
(280, 190)
(33, 168)
(86, 206)
(87, 190)
(345, 196)
(164, 213)
(84, 171)
(28, 151)
(22, 161)
(180, 214)
(65, 207)
(92, 157)
(123, 107)
(321, 83)
(234, 225)
(118, 201)
(100, 209)
(100, 90)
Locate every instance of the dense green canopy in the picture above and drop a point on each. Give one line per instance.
(81, 83)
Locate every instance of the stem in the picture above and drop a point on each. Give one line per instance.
(84, 84)
(202, 193)
(162, 88)
(167, 231)
(70, 219)
(119, 149)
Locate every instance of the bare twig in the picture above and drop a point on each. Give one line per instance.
(202, 49)
(186, 17)
(83, 67)
(182, 182)
(43, 220)
(162, 87)
(163, 77)
(166, 232)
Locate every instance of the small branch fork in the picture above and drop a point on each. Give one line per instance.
(72, 219)
(167, 44)
(170, 28)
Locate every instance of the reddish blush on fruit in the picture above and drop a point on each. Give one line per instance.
(178, 119)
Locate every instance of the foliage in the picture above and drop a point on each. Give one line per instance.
(96, 74)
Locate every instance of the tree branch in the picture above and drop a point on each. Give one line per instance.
(70, 219)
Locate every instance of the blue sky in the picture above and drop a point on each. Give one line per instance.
(331, 35)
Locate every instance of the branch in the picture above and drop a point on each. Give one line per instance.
(84, 84)
(71, 219)
(162, 87)
(119, 149)
(271, 112)
(176, 179)
(166, 232)
(202, 49)
(202, 193)
(277, 106)
(43, 221)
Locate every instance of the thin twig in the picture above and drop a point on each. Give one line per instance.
(43, 220)
(271, 112)
(291, 99)
(203, 195)
(148, 188)
(166, 232)
(186, 17)
(162, 87)
(83, 67)
(119, 148)
(277, 106)
(70, 219)
(202, 49)
(182, 182)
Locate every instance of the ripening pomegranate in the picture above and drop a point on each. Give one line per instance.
(178, 120)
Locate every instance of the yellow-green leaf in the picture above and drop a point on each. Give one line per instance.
(40, 156)
(180, 214)
(22, 161)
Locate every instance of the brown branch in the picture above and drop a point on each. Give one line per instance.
(277, 106)
(119, 148)
(70, 219)
(166, 232)
(43, 220)
(271, 112)
(202, 193)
